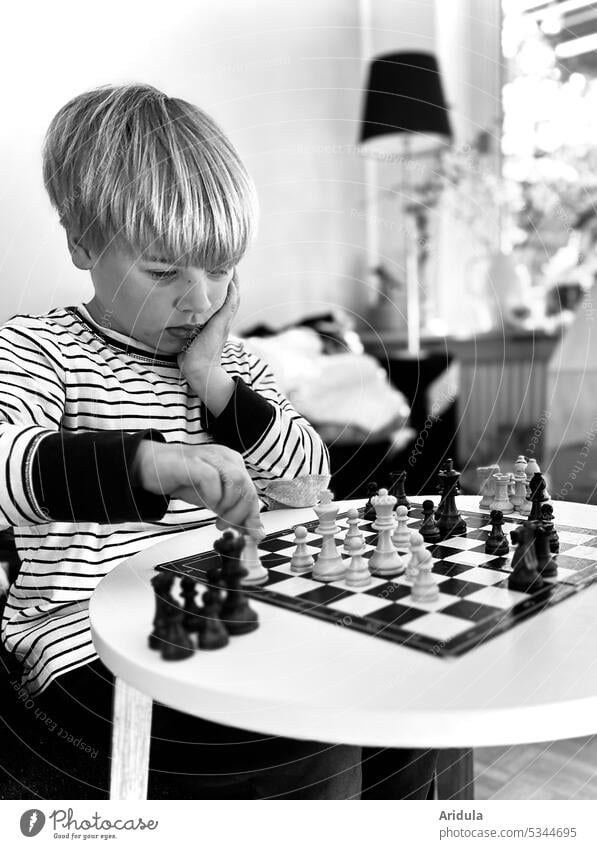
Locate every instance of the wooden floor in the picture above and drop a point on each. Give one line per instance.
(566, 769)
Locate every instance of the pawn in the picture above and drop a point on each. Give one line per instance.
(425, 589)
(353, 531)
(401, 534)
(497, 542)
(193, 620)
(429, 529)
(519, 495)
(547, 519)
(358, 574)
(214, 634)
(302, 560)
(177, 644)
(526, 505)
(257, 574)
(417, 553)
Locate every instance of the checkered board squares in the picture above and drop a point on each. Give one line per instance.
(474, 602)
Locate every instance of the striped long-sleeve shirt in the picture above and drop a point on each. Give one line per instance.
(75, 400)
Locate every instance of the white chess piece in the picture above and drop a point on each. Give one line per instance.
(385, 560)
(401, 534)
(425, 589)
(353, 531)
(487, 484)
(358, 574)
(502, 499)
(417, 549)
(302, 560)
(257, 574)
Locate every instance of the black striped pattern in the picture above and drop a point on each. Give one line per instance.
(62, 371)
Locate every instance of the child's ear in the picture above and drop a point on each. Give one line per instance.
(79, 253)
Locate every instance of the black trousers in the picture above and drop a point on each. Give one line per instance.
(57, 746)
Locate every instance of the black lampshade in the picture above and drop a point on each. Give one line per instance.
(405, 95)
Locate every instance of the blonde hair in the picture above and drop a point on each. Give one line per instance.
(128, 164)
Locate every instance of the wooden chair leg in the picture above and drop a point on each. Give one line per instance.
(131, 737)
(455, 777)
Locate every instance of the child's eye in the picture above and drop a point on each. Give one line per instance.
(162, 275)
(221, 272)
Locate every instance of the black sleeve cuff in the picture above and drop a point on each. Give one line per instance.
(85, 477)
(243, 421)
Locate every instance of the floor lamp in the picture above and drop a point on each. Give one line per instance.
(406, 116)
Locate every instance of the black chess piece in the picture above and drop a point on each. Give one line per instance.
(537, 488)
(213, 635)
(177, 644)
(369, 513)
(397, 488)
(237, 616)
(546, 564)
(450, 522)
(547, 519)
(447, 466)
(193, 620)
(429, 529)
(497, 542)
(162, 584)
(525, 576)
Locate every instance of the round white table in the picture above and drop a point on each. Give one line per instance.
(300, 677)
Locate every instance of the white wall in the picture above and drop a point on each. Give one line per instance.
(282, 79)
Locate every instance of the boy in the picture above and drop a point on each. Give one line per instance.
(132, 415)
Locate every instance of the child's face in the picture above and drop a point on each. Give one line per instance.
(152, 301)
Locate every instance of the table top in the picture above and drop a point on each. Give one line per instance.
(300, 677)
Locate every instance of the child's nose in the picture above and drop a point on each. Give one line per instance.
(194, 295)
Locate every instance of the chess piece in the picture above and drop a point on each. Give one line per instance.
(257, 574)
(329, 564)
(450, 522)
(497, 542)
(532, 469)
(385, 560)
(429, 529)
(162, 584)
(397, 488)
(214, 634)
(358, 574)
(547, 520)
(193, 620)
(238, 618)
(327, 513)
(425, 589)
(519, 495)
(177, 644)
(526, 506)
(502, 499)
(369, 512)
(401, 534)
(538, 497)
(546, 564)
(525, 576)
(417, 552)
(302, 559)
(487, 484)
(353, 531)
(441, 487)
(520, 466)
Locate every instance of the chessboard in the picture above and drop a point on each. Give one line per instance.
(474, 605)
